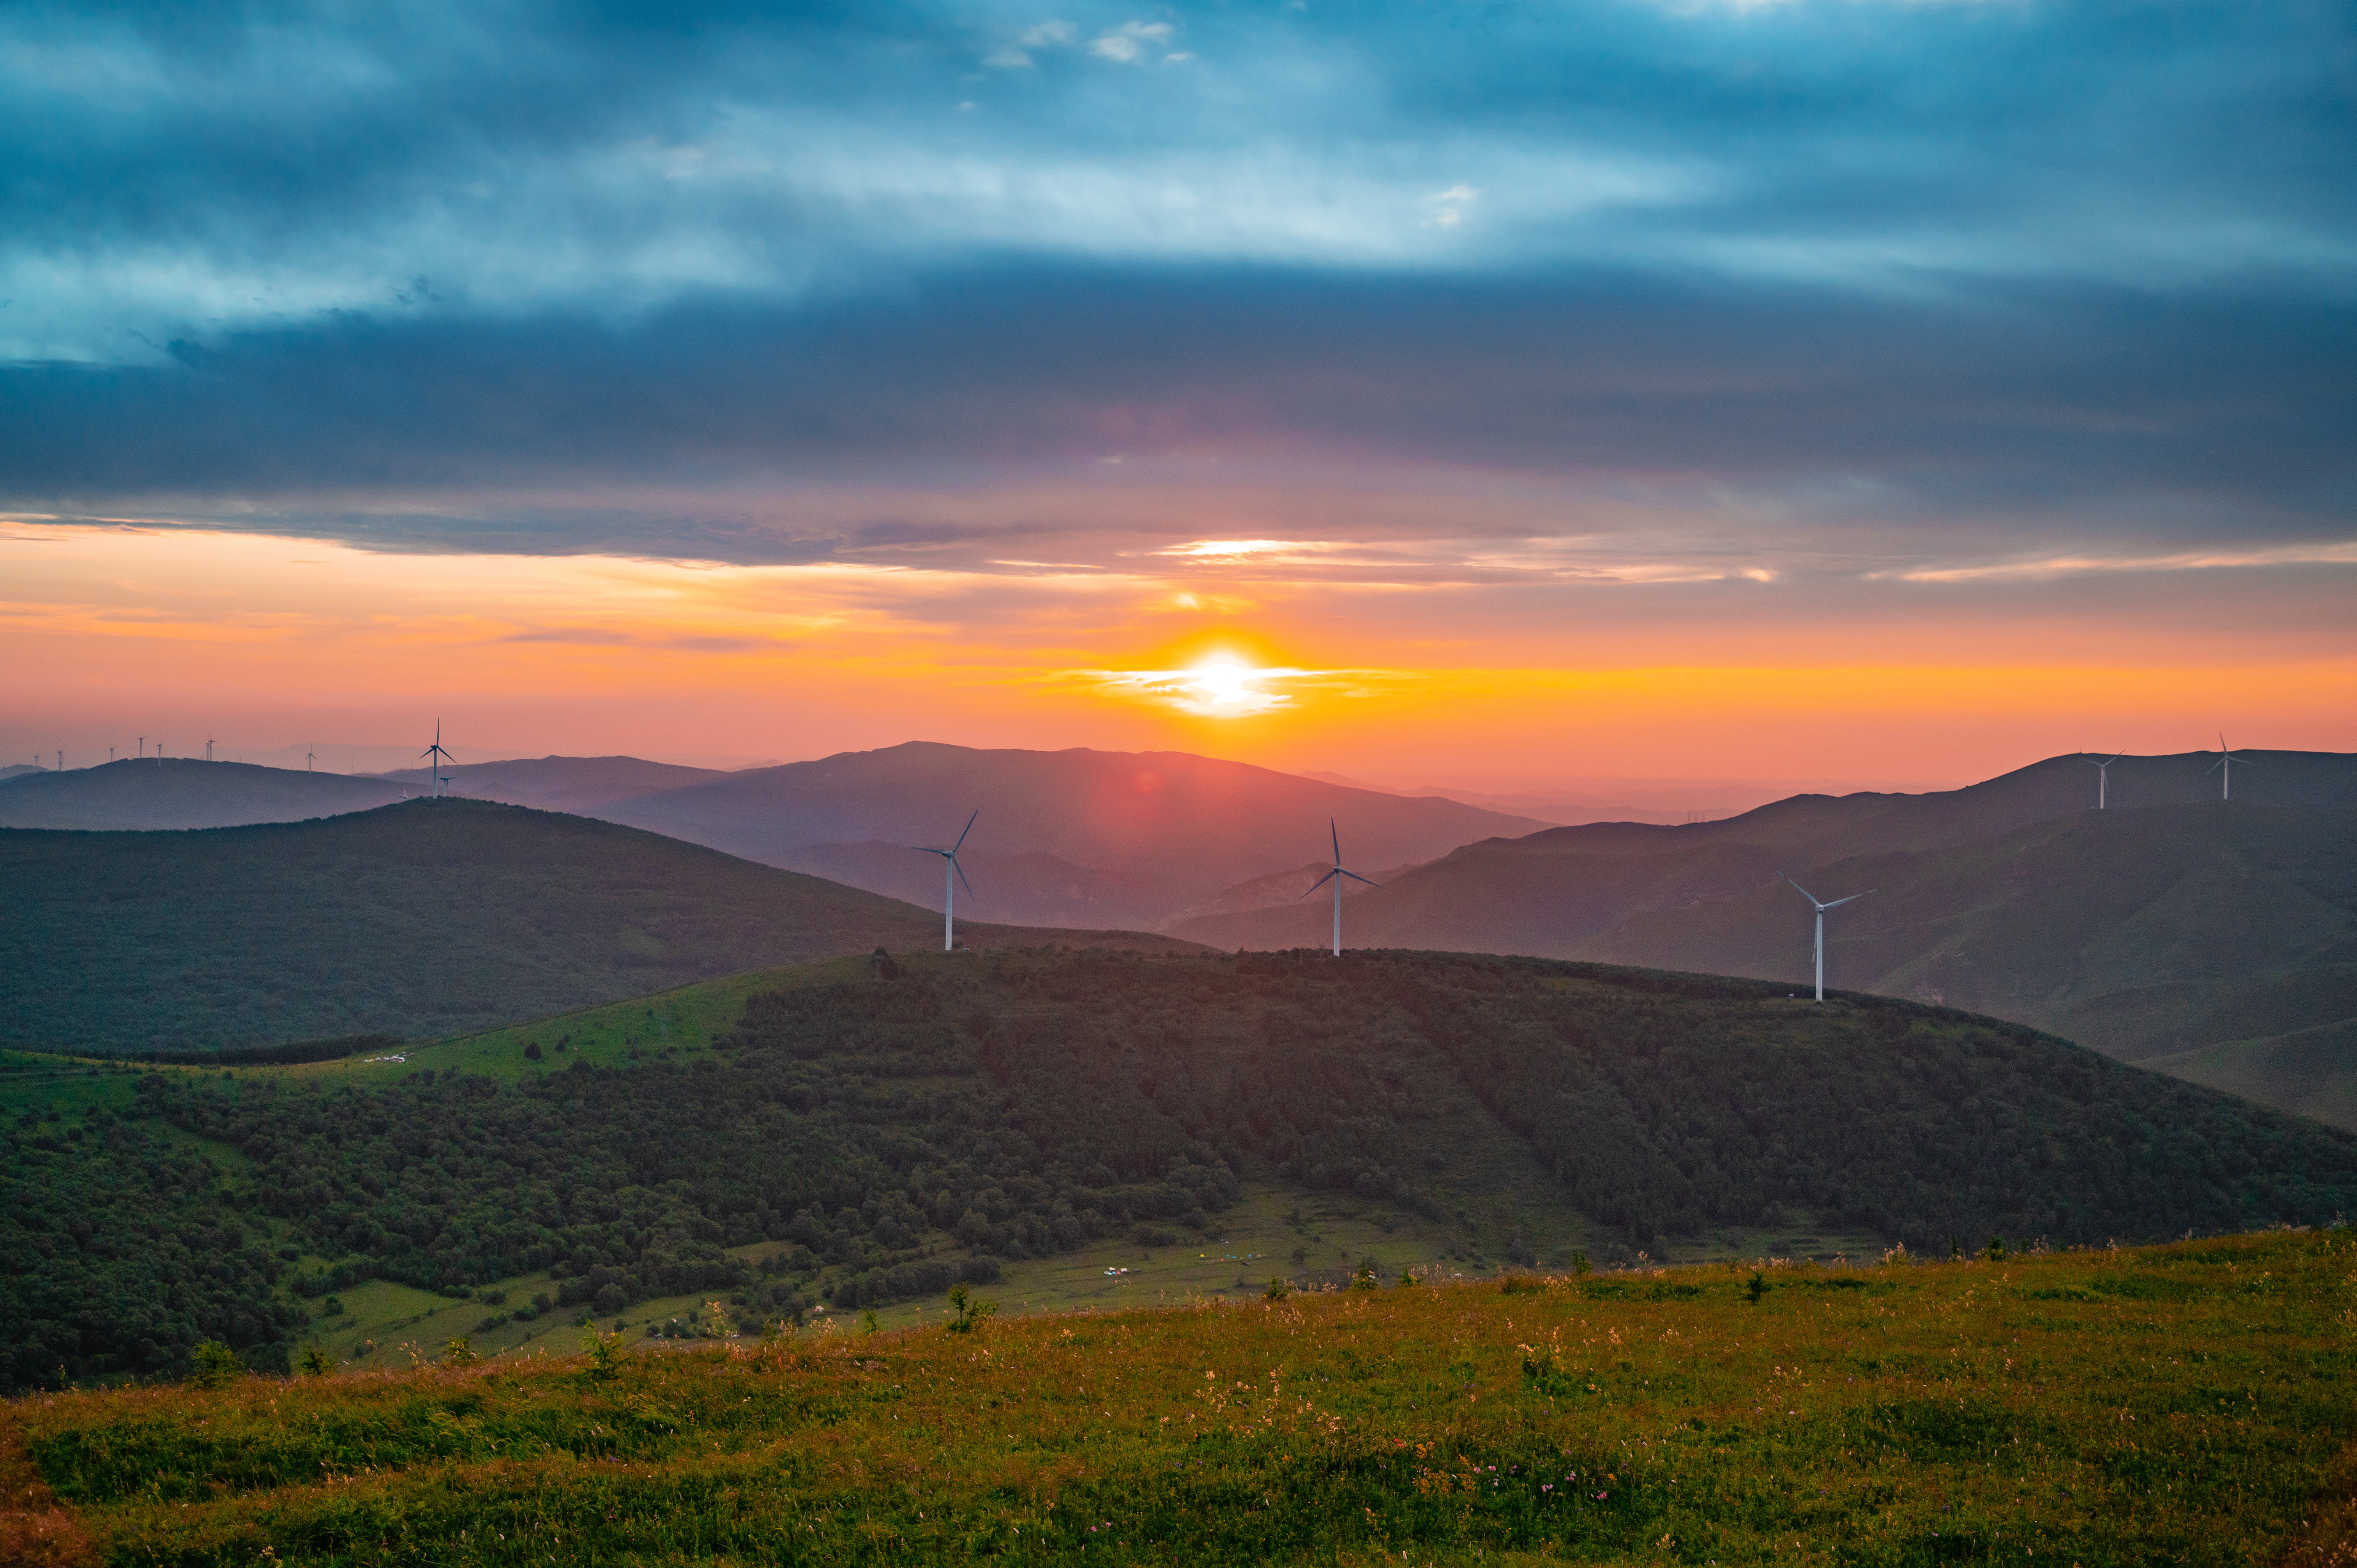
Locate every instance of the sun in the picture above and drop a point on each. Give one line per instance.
(1223, 683)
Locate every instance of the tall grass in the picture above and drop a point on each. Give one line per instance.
(2179, 1404)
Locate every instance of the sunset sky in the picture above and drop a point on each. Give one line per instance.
(1868, 390)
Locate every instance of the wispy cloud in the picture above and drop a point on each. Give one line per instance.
(1129, 42)
(1017, 55)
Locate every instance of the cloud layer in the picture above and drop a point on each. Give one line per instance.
(1841, 306)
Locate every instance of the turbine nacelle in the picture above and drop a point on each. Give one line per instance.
(1821, 907)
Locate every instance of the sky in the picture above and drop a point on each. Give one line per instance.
(1866, 389)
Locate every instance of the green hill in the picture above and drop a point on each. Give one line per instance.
(420, 919)
(861, 1138)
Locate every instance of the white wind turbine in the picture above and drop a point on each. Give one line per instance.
(2224, 768)
(440, 758)
(2102, 775)
(952, 873)
(1334, 876)
(1820, 909)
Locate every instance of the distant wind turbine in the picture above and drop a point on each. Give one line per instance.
(1334, 876)
(2102, 775)
(2224, 768)
(209, 748)
(952, 873)
(1820, 909)
(312, 756)
(441, 756)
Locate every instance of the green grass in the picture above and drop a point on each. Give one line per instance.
(2179, 1404)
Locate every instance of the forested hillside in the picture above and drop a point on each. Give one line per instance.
(900, 1130)
(419, 920)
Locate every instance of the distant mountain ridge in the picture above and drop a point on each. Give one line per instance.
(164, 792)
(1078, 839)
(1134, 831)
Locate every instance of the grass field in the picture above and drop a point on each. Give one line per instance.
(2180, 1404)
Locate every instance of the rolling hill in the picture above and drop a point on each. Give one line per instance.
(2216, 939)
(181, 793)
(421, 920)
(1102, 836)
(860, 1136)
(585, 786)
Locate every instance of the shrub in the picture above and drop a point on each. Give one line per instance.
(316, 1363)
(216, 1365)
(605, 1356)
(459, 1352)
(1278, 1289)
(971, 1314)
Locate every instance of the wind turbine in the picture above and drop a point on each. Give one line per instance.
(2224, 768)
(441, 755)
(1334, 876)
(312, 756)
(2102, 775)
(952, 873)
(1820, 909)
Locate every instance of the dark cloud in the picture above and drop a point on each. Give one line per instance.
(2080, 267)
(2224, 409)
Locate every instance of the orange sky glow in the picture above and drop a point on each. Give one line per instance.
(1229, 648)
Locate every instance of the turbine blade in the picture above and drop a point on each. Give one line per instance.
(969, 828)
(1338, 840)
(1851, 900)
(1320, 882)
(1802, 891)
(1356, 877)
(961, 874)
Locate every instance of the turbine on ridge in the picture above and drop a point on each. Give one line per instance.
(2224, 768)
(441, 756)
(1334, 876)
(1820, 909)
(2102, 775)
(951, 869)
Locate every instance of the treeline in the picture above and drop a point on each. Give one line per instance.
(896, 1134)
(293, 1054)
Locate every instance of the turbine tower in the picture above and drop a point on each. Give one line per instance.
(312, 756)
(1334, 876)
(440, 757)
(2224, 768)
(2102, 775)
(952, 873)
(1820, 909)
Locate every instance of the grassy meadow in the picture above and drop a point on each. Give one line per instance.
(2185, 1403)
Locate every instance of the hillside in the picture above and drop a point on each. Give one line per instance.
(2176, 1404)
(421, 920)
(1103, 837)
(182, 792)
(2150, 932)
(585, 786)
(861, 1138)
